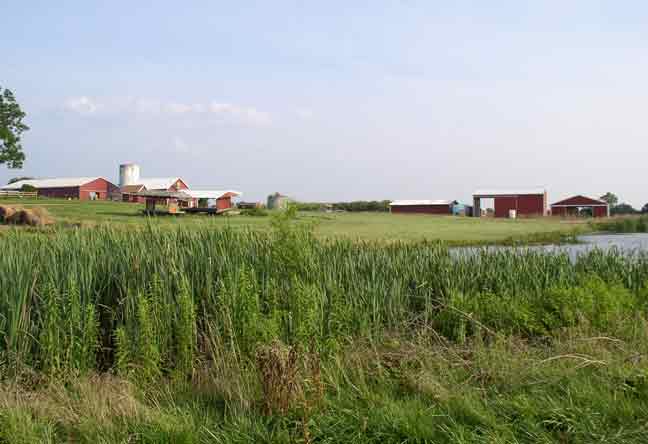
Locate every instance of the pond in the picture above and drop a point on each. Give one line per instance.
(626, 243)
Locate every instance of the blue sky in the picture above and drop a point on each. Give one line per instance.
(336, 100)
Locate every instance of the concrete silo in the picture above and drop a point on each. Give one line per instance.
(129, 174)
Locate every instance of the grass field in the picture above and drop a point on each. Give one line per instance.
(364, 226)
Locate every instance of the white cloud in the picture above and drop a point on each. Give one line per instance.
(81, 105)
(226, 112)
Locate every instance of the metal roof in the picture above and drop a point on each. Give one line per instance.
(158, 183)
(211, 194)
(399, 203)
(63, 182)
(510, 192)
(131, 188)
(187, 194)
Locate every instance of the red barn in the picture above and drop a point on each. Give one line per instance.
(574, 206)
(82, 188)
(528, 202)
(439, 207)
(129, 192)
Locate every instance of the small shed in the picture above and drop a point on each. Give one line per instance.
(439, 207)
(579, 206)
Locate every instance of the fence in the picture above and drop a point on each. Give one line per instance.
(19, 194)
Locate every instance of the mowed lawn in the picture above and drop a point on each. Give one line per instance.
(363, 226)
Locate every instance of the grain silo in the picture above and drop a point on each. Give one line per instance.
(129, 174)
(278, 201)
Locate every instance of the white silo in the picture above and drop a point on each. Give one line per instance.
(129, 174)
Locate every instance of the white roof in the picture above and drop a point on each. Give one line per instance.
(157, 183)
(509, 192)
(61, 182)
(210, 194)
(399, 203)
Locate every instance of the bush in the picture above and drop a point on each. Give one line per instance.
(257, 212)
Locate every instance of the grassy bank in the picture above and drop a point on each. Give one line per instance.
(383, 227)
(633, 224)
(202, 335)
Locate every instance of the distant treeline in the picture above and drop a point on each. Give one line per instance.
(358, 205)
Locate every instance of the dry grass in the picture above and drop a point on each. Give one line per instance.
(100, 399)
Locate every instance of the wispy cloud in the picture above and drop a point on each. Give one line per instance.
(225, 112)
(81, 105)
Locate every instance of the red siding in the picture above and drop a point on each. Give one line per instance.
(60, 192)
(600, 212)
(526, 205)
(101, 187)
(422, 209)
(579, 201)
(178, 185)
(597, 211)
(223, 203)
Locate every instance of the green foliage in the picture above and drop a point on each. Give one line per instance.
(11, 129)
(355, 206)
(256, 212)
(623, 225)
(610, 198)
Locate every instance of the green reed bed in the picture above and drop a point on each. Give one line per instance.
(385, 342)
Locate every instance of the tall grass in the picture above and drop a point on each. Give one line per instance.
(348, 341)
(148, 301)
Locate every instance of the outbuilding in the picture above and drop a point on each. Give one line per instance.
(439, 207)
(130, 192)
(579, 206)
(513, 203)
(81, 188)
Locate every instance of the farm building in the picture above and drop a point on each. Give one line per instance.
(129, 192)
(440, 207)
(278, 201)
(194, 201)
(130, 183)
(513, 203)
(82, 188)
(581, 205)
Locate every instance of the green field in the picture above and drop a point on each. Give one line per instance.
(364, 226)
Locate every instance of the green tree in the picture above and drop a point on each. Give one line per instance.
(622, 209)
(11, 128)
(610, 198)
(645, 209)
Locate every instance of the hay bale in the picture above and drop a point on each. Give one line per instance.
(35, 217)
(44, 217)
(6, 212)
(16, 218)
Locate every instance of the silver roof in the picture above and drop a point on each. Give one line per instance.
(510, 192)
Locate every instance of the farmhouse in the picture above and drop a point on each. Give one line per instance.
(129, 192)
(82, 188)
(440, 207)
(130, 183)
(191, 201)
(513, 203)
(579, 205)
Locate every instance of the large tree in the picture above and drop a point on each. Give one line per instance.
(610, 198)
(11, 128)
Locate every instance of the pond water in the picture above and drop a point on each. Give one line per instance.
(627, 243)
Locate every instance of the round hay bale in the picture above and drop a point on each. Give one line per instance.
(17, 218)
(32, 219)
(43, 215)
(6, 212)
